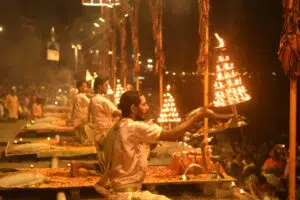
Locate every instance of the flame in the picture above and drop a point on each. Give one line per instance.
(168, 87)
(221, 41)
(169, 112)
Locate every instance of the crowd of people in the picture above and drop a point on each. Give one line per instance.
(26, 102)
(14, 106)
(262, 169)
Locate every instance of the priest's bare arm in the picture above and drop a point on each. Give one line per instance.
(177, 132)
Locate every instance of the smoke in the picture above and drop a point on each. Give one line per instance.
(59, 78)
(20, 58)
(23, 62)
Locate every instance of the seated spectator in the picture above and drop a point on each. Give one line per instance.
(25, 106)
(12, 105)
(36, 108)
(275, 164)
(235, 168)
(250, 175)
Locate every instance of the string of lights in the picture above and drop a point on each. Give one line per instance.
(244, 73)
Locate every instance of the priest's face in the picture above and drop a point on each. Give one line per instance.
(104, 87)
(143, 108)
(84, 88)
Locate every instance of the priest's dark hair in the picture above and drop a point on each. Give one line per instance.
(100, 80)
(128, 99)
(80, 83)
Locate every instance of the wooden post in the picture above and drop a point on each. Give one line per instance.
(114, 82)
(160, 90)
(161, 77)
(137, 83)
(54, 162)
(206, 75)
(124, 81)
(170, 126)
(203, 60)
(134, 20)
(234, 110)
(292, 143)
(114, 47)
(106, 41)
(76, 59)
(123, 36)
(61, 196)
(156, 7)
(293, 121)
(291, 28)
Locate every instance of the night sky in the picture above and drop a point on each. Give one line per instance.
(251, 29)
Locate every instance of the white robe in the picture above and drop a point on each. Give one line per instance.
(12, 105)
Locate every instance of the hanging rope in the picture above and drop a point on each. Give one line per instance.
(156, 14)
(135, 36)
(203, 56)
(106, 39)
(123, 37)
(113, 43)
(289, 48)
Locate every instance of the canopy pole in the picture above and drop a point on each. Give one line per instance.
(206, 75)
(292, 143)
(160, 90)
(137, 86)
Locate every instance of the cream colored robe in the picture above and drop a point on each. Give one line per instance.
(12, 105)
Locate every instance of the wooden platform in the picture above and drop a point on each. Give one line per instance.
(44, 150)
(158, 178)
(156, 175)
(56, 129)
(39, 143)
(55, 108)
